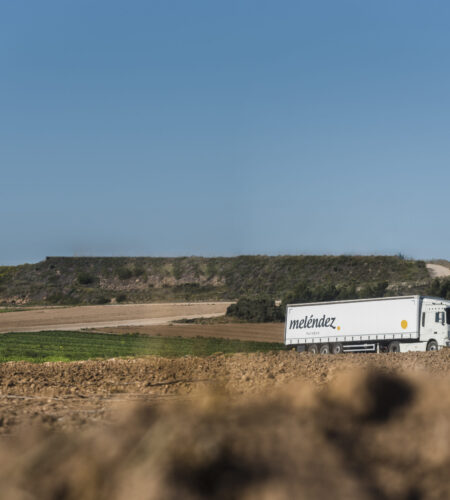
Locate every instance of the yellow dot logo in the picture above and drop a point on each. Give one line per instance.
(338, 327)
(404, 324)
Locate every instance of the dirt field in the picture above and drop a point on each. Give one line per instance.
(257, 426)
(262, 332)
(28, 391)
(81, 317)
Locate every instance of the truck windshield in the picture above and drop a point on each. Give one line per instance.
(447, 313)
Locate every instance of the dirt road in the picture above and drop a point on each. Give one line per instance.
(81, 317)
(438, 271)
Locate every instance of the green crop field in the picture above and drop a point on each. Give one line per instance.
(39, 347)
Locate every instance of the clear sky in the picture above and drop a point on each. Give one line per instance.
(168, 128)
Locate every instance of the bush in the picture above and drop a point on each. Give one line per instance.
(177, 270)
(440, 288)
(257, 310)
(84, 278)
(138, 271)
(121, 298)
(102, 300)
(374, 291)
(62, 299)
(305, 293)
(124, 273)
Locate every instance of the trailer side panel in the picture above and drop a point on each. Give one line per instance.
(353, 321)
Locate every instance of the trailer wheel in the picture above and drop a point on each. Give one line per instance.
(432, 345)
(324, 349)
(337, 348)
(394, 346)
(313, 349)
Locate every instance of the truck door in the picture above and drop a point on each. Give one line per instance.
(434, 326)
(447, 314)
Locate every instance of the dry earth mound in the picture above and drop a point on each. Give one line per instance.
(377, 431)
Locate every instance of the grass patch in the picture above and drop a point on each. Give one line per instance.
(11, 309)
(39, 347)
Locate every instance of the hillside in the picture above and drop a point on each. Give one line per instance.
(97, 280)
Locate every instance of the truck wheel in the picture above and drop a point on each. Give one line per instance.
(394, 346)
(324, 349)
(432, 345)
(313, 349)
(337, 348)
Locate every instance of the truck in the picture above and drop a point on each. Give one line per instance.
(388, 324)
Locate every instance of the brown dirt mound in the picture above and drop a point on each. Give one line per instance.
(366, 434)
(256, 426)
(73, 394)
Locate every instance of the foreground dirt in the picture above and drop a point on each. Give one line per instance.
(257, 426)
(261, 332)
(81, 317)
(64, 394)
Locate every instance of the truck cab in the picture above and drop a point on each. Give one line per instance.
(435, 323)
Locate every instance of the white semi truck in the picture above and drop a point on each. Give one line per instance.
(393, 324)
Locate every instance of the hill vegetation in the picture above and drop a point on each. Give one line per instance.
(101, 280)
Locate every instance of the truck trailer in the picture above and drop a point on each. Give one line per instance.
(388, 324)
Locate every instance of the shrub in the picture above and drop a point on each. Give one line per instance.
(177, 270)
(62, 299)
(138, 271)
(258, 310)
(121, 298)
(124, 273)
(84, 278)
(304, 293)
(440, 288)
(373, 291)
(102, 300)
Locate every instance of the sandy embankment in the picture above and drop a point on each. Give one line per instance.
(438, 271)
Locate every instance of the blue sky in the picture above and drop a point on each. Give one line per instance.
(224, 128)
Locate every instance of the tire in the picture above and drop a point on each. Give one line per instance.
(432, 345)
(394, 346)
(313, 349)
(337, 348)
(324, 349)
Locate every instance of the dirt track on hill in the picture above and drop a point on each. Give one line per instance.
(438, 271)
(258, 426)
(82, 317)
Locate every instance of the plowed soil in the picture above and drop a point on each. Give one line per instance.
(55, 390)
(81, 317)
(254, 426)
(261, 332)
